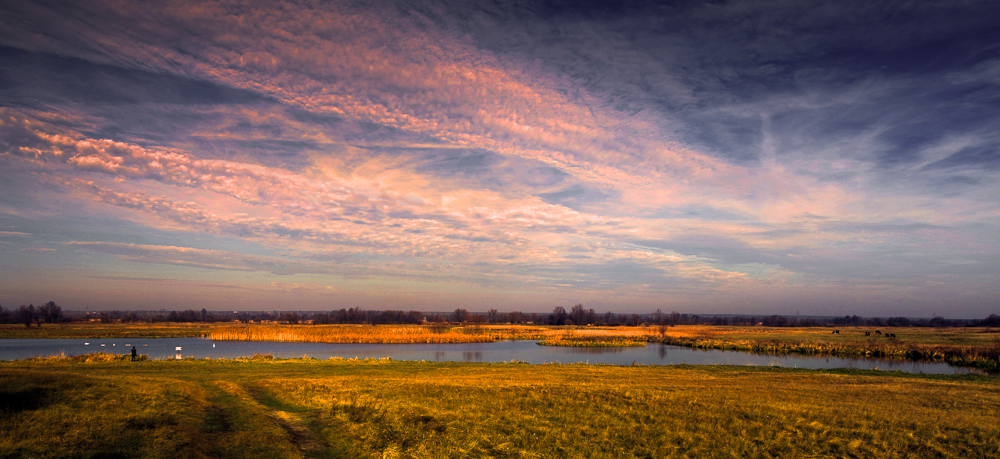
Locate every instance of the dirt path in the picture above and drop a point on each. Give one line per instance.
(300, 435)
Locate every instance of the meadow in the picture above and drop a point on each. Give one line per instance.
(262, 407)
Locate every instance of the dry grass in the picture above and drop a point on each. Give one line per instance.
(93, 357)
(380, 408)
(595, 338)
(433, 333)
(390, 334)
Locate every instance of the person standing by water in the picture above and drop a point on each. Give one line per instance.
(133, 354)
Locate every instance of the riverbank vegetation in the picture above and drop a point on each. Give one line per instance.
(971, 347)
(380, 408)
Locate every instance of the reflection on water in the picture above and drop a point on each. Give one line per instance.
(595, 350)
(504, 351)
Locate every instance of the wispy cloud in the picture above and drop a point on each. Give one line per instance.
(627, 153)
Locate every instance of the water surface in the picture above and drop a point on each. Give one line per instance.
(502, 351)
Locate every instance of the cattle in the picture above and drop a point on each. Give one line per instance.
(878, 332)
(868, 333)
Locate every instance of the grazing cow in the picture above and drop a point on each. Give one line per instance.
(868, 333)
(892, 335)
(878, 332)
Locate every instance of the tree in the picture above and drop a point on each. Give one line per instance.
(55, 312)
(26, 315)
(578, 315)
(558, 316)
(675, 318)
(460, 315)
(476, 321)
(515, 317)
(492, 316)
(50, 312)
(131, 316)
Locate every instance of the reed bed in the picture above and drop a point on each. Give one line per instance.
(984, 357)
(597, 338)
(416, 334)
(592, 343)
(355, 334)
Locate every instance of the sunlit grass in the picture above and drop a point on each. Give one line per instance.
(390, 334)
(594, 338)
(382, 408)
(410, 334)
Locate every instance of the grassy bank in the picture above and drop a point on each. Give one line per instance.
(342, 408)
(972, 347)
(574, 338)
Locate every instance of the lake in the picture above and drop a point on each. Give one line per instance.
(502, 351)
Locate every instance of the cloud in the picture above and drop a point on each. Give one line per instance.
(199, 258)
(37, 249)
(632, 150)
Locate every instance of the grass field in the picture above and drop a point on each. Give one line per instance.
(344, 408)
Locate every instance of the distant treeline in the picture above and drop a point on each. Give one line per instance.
(48, 313)
(577, 315)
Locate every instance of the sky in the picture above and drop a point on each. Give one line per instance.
(743, 157)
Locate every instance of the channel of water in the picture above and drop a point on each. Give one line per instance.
(502, 351)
